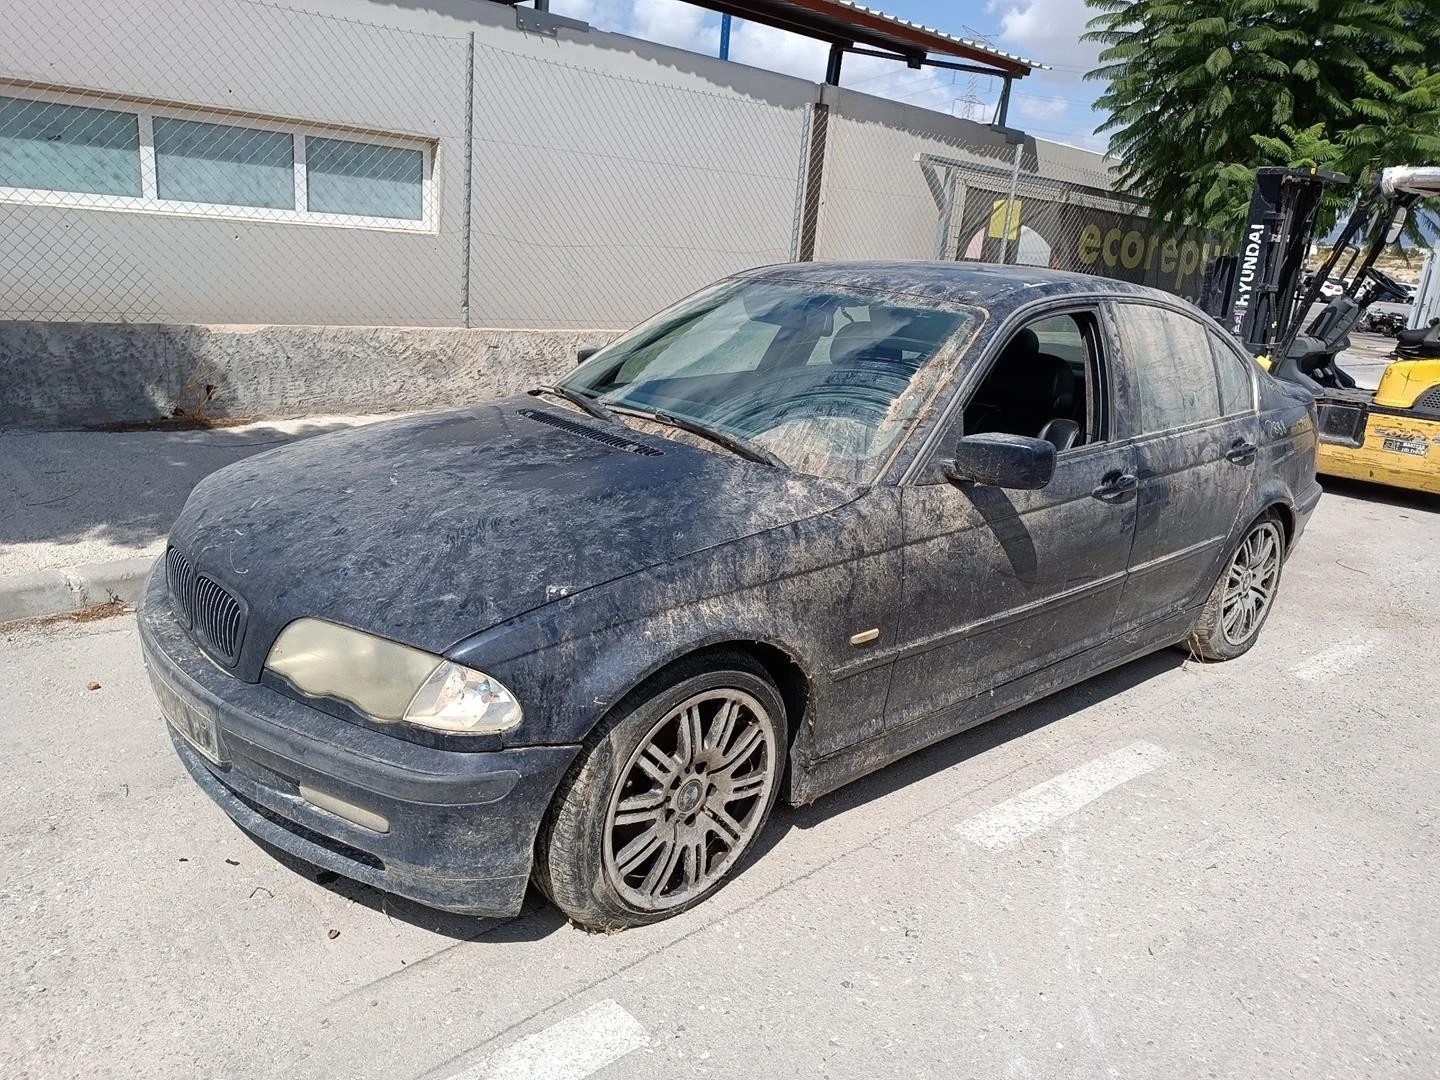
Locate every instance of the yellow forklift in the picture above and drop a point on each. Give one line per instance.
(1390, 435)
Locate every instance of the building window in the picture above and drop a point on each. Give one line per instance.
(224, 165)
(47, 145)
(347, 177)
(61, 149)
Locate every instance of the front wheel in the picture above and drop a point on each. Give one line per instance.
(666, 798)
(1238, 605)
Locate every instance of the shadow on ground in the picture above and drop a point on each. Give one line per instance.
(539, 920)
(85, 496)
(1384, 494)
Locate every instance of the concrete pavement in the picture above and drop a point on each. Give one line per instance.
(1241, 884)
(88, 511)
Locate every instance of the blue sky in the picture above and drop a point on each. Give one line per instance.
(1053, 104)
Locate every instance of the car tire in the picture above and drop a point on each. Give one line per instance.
(1244, 593)
(667, 797)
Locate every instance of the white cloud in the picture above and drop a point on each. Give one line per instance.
(764, 46)
(1040, 108)
(1048, 31)
(673, 23)
(1056, 102)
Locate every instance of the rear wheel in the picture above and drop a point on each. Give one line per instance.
(667, 797)
(1241, 600)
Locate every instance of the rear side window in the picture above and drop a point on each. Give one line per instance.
(1169, 356)
(1237, 394)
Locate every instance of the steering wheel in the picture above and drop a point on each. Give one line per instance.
(1387, 284)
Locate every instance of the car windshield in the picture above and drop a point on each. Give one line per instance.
(821, 377)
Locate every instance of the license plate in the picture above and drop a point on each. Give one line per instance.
(195, 723)
(1416, 446)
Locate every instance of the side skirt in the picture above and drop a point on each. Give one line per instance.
(810, 779)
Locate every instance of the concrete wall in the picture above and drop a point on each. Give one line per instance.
(609, 174)
(602, 197)
(67, 375)
(875, 203)
(255, 59)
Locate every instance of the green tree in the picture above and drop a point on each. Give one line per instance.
(1201, 92)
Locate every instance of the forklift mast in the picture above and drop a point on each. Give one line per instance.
(1262, 296)
(1254, 294)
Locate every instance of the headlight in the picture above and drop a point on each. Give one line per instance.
(388, 681)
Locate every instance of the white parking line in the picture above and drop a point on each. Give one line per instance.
(1044, 804)
(573, 1049)
(1336, 660)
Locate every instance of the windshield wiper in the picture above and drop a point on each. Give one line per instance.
(579, 400)
(734, 443)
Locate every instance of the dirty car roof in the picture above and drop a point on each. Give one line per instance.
(984, 284)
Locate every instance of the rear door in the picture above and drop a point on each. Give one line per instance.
(1195, 435)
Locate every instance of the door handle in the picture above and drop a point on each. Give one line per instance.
(1115, 487)
(1241, 452)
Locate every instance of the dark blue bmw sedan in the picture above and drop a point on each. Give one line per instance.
(809, 520)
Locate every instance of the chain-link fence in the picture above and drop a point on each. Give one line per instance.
(232, 161)
(248, 162)
(973, 194)
(1030, 219)
(598, 197)
(226, 161)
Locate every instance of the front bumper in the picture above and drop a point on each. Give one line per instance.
(461, 826)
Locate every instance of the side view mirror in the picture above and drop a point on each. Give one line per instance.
(583, 354)
(1003, 461)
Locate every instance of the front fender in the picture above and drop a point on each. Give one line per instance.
(803, 589)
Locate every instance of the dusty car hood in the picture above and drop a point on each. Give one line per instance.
(429, 529)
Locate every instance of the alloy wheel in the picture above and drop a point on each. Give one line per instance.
(690, 799)
(1250, 583)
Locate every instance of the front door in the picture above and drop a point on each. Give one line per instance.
(1000, 583)
(1196, 432)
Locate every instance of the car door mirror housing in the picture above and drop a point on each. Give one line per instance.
(1005, 461)
(581, 355)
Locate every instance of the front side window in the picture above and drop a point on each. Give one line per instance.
(221, 163)
(825, 378)
(1169, 358)
(1044, 384)
(55, 147)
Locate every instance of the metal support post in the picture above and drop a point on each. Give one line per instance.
(1010, 206)
(1002, 108)
(812, 179)
(469, 177)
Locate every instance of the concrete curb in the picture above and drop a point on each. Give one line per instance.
(75, 588)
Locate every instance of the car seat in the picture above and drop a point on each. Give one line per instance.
(1024, 391)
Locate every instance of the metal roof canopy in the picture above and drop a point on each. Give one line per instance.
(852, 27)
(848, 24)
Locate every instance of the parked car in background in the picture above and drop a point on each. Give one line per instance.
(807, 521)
